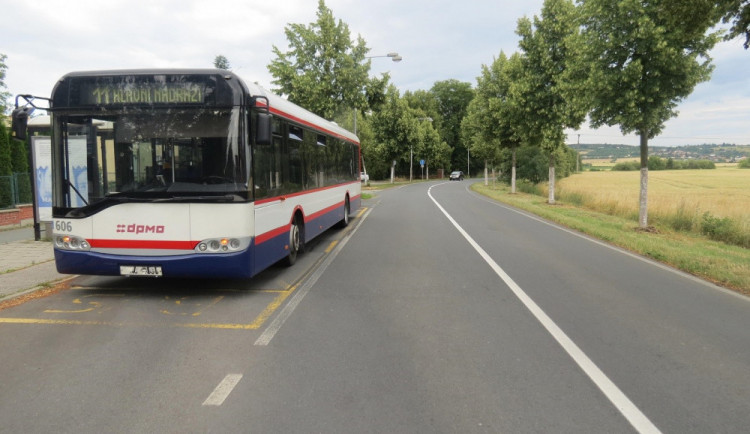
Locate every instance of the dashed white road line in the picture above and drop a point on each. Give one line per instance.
(217, 397)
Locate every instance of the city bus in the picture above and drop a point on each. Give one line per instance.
(190, 173)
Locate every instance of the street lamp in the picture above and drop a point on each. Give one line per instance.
(394, 57)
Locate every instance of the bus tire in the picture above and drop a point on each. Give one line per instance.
(347, 208)
(296, 240)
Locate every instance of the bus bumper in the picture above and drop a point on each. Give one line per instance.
(216, 265)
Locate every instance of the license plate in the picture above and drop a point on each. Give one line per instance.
(140, 270)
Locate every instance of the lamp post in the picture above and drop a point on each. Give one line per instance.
(394, 57)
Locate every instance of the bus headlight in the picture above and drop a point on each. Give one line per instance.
(71, 242)
(220, 245)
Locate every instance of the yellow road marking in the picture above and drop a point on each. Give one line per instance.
(331, 246)
(125, 324)
(76, 301)
(94, 304)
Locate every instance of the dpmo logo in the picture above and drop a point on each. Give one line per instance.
(134, 228)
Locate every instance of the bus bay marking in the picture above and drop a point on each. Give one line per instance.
(222, 391)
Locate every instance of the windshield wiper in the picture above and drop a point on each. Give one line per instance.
(70, 184)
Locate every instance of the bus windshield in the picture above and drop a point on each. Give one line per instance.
(151, 153)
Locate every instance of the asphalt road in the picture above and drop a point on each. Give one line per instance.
(435, 311)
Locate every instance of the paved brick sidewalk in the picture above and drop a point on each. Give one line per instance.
(25, 265)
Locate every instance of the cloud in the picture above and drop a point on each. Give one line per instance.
(438, 39)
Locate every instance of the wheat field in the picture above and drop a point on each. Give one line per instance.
(723, 192)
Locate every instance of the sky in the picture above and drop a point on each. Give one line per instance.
(438, 40)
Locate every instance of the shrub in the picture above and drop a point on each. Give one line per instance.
(627, 166)
(744, 164)
(682, 220)
(724, 230)
(527, 187)
(532, 164)
(656, 163)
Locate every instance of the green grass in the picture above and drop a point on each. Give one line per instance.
(723, 264)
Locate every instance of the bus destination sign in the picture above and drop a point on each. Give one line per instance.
(142, 93)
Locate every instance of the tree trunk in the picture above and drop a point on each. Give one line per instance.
(513, 172)
(643, 204)
(486, 180)
(551, 195)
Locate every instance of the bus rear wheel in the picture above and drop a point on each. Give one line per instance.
(347, 208)
(295, 241)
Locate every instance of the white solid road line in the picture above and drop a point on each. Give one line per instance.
(223, 390)
(637, 419)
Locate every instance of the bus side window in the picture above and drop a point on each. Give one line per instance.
(265, 163)
(291, 166)
(309, 160)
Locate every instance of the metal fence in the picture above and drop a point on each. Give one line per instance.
(15, 189)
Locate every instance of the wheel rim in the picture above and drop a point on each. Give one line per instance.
(294, 238)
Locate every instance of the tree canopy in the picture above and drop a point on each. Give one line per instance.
(453, 98)
(221, 62)
(738, 13)
(323, 70)
(4, 94)
(645, 57)
(550, 59)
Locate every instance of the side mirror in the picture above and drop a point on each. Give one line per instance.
(20, 120)
(263, 128)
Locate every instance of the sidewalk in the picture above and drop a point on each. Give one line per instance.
(25, 264)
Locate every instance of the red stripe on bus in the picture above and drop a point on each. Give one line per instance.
(285, 229)
(313, 216)
(262, 238)
(301, 193)
(143, 244)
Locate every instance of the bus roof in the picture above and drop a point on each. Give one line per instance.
(217, 87)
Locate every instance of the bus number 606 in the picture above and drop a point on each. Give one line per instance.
(63, 226)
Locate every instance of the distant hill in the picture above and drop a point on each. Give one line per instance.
(717, 153)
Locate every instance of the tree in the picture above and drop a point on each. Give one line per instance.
(428, 103)
(484, 125)
(496, 115)
(221, 62)
(4, 94)
(453, 98)
(5, 168)
(551, 73)
(390, 131)
(738, 12)
(645, 57)
(401, 131)
(324, 71)
(514, 111)
(437, 152)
